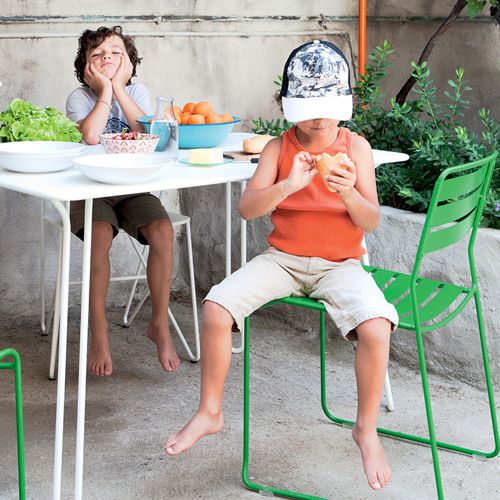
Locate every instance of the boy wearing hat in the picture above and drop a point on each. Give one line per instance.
(314, 248)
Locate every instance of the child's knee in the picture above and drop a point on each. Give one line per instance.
(375, 330)
(158, 233)
(102, 236)
(216, 317)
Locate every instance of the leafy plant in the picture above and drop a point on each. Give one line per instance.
(429, 128)
(271, 127)
(24, 121)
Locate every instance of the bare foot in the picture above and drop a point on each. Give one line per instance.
(100, 362)
(202, 424)
(160, 335)
(375, 463)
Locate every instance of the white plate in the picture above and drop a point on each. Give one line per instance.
(187, 162)
(33, 164)
(40, 148)
(124, 168)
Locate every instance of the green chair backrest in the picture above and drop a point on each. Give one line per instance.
(456, 207)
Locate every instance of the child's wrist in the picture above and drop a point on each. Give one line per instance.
(284, 188)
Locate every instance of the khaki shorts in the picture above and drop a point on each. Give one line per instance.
(348, 292)
(129, 212)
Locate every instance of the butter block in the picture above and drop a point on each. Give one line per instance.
(205, 156)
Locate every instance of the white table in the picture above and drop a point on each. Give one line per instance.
(70, 185)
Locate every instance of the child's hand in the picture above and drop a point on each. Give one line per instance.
(123, 73)
(95, 80)
(343, 179)
(302, 172)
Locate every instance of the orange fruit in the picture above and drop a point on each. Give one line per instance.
(226, 118)
(202, 108)
(188, 107)
(196, 119)
(185, 118)
(213, 118)
(177, 114)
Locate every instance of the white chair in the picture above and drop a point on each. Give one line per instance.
(54, 220)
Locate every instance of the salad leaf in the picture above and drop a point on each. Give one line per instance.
(24, 121)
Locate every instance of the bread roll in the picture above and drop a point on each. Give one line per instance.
(324, 162)
(256, 143)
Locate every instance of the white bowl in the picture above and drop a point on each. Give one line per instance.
(36, 164)
(40, 148)
(121, 168)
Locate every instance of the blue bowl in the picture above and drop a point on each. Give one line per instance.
(207, 135)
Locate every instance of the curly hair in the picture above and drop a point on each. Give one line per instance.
(91, 39)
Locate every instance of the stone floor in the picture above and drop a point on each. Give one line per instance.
(293, 444)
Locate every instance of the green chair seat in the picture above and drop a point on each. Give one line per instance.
(434, 298)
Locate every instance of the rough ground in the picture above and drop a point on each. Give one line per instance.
(130, 414)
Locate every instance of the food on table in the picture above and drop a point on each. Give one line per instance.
(202, 108)
(213, 118)
(24, 121)
(324, 162)
(177, 114)
(196, 120)
(125, 135)
(199, 113)
(256, 143)
(205, 156)
(188, 107)
(129, 142)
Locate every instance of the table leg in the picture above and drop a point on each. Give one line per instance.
(228, 229)
(82, 371)
(63, 331)
(243, 258)
(243, 232)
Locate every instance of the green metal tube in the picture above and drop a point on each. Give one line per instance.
(15, 366)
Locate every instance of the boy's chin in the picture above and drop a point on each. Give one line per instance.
(108, 73)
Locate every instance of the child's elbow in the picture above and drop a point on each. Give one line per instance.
(373, 223)
(91, 139)
(243, 212)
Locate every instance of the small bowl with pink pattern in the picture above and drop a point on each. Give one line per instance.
(129, 142)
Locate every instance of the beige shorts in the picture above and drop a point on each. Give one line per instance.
(348, 292)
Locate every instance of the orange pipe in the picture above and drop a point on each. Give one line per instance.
(362, 37)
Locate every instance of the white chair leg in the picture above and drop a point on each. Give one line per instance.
(141, 263)
(43, 326)
(194, 304)
(388, 392)
(57, 314)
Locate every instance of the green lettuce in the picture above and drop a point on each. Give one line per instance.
(24, 121)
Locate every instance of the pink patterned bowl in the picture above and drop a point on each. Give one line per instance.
(145, 143)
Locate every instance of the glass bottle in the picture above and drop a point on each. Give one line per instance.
(165, 125)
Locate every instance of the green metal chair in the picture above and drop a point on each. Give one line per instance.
(423, 305)
(15, 366)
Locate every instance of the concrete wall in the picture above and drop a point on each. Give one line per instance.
(226, 52)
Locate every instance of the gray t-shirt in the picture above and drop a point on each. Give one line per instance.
(82, 101)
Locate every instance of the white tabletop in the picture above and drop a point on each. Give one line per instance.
(71, 185)
(380, 157)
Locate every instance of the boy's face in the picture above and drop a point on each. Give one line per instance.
(319, 127)
(107, 56)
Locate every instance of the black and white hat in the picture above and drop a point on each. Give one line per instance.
(316, 83)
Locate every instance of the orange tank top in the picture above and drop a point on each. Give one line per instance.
(313, 222)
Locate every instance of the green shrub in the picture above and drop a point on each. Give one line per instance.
(429, 129)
